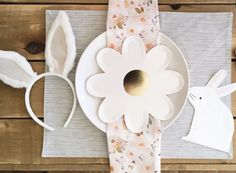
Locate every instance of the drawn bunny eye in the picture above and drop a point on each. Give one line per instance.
(200, 98)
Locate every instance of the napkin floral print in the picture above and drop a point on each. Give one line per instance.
(130, 152)
(134, 152)
(132, 17)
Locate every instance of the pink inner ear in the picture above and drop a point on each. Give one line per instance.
(59, 50)
(13, 71)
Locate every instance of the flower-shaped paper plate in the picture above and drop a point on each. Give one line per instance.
(153, 83)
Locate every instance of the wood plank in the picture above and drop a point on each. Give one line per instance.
(97, 168)
(22, 141)
(22, 172)
(106, 1)
(80, 172)
(56, 167)
(233, 95)
(161, 171)
(109, 172)
(198, 172)
(199, 167)
(21, 136)
(12, 99)
(23, 26)
(101, 172)
(82, 168)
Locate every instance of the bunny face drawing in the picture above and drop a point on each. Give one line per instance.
(200, 96)
(212, 124)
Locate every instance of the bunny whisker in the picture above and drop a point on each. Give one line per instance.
(193, 97)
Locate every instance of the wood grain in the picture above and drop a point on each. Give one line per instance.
(106, 1)
(23, 29)
(23, 172)
(12, 103)
(109, 172)
(23, 26)
(22, 141)
(233, 95)
(198, 172)
(78, 172)
(188, 168)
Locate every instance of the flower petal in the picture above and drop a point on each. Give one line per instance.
(99, 85)
(109, 59)
(161, 107)
(134, 49)
(111, 109)
(158, 58)
(136, 119)
(169, 82)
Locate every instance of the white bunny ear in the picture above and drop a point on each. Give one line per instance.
(60, 51)
(216, 80)
(15, 69)
(226, 90)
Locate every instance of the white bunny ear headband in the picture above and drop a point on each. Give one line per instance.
(60, 54)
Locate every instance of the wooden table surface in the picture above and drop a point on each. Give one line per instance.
(22, 29)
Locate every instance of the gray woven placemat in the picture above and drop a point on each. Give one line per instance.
(205, 40)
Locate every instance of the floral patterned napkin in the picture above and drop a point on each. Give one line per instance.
(130, 152)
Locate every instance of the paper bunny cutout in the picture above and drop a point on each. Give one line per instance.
(60, 55)
(213, 124)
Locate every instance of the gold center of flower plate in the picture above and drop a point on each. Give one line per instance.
(136, 82)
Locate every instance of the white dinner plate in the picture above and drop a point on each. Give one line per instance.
(88, 67)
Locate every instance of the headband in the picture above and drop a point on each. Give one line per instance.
(60, 54)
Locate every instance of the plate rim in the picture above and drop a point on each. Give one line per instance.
(158, 40)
